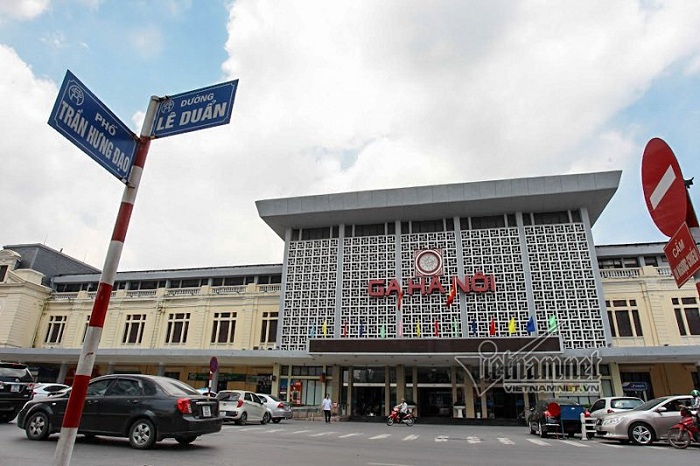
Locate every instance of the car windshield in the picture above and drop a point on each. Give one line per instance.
(228, 396)
(625, 403)
(177, 388)
(9, 370)
(650, 404)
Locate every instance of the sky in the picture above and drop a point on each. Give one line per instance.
(335, 96)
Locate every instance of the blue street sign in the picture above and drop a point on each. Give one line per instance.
(90, 125)
(190, 111)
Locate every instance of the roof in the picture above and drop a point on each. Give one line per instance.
(539, 194)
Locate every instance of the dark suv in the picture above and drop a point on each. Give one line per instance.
(16, 388)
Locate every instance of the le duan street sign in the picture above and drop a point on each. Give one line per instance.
(193, 110)
(85, 121)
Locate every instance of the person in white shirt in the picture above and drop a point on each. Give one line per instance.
(327, 405)
(403, 408)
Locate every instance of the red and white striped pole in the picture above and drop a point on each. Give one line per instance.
(74, 410)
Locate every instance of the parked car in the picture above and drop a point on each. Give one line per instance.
(613, 404)
(143, 408)
(546, 417)
(242, 407)
(16, 385)
(46, 390)
(644, 424)
(277, 408)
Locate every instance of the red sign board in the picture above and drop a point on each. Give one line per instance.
(664, 189)
(683, 255)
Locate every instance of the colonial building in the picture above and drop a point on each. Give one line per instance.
(468, 299)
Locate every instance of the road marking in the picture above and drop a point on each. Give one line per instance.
(273, 430)
(505, 441)
(299, 432)
(657, 448)
(350, 435)
(538, 442)
(611, 445)
(379, 436)
(321, 434)
(576, 444)
(441, 438)
(410, 437)
(473, 440)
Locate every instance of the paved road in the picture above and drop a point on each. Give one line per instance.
(292, 443)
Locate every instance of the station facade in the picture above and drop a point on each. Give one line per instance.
(469, 300)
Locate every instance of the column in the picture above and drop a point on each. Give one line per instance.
(62, 371)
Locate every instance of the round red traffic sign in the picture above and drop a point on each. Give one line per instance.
(664, 188)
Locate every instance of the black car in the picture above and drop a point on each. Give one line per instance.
(545, 418)
(143, 408)
(16, 385)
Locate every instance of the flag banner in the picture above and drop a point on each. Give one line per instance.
(383, 331)
(531, 325)
(437, 329)
(492, 327)
(399, 299)
(552, 325)
(473, 327)
(455, 328)
(325, 328)
(418, 328)
(452, 294)
(313, 331)
(511, 326)
(345, 329)
(399, 330)
(362, 328)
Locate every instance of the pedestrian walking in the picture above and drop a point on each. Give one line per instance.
(327, 405)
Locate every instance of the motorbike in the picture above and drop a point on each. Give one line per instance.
(682, 434)
(395, 416)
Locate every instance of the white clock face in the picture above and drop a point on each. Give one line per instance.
(428, 262)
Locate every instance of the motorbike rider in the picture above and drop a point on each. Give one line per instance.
(695, 405)
(403, 409)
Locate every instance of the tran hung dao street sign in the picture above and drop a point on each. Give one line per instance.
(193, 110)
(80, 116)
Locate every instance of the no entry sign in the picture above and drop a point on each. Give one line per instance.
(664, 189)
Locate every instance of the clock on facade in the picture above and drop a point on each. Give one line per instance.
(428, 262)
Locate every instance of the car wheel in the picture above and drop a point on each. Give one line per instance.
(265, 419)
(541, 431)
(37, 426)
(185, 440)
(532, 431)
(243, 419)
(142, 434)
(641, 434)
(276, 420)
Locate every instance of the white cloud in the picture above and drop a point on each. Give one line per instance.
(22, 10)
(146, 41)
(339, 96)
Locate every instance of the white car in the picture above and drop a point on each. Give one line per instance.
(242, 406)
(277, 408)
(46, 390)
(613, 404)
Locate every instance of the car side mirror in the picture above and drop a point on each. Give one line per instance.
(661, 409)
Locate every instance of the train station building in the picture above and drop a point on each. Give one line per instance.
(470, 300)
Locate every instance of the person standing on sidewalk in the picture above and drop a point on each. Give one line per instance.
(327, 405)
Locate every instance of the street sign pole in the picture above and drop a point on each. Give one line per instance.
(74, 410)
